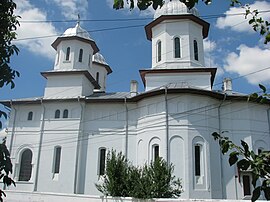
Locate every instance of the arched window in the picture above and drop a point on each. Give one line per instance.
(57, 57)
(102, 158)
(65, 113)
(68, 54)
(197, 159)
(155, 152)
(26, 165)
(81, 55)
(158, 51)
(57, 114)
(89, 61)
(177, 53)
(57, 157)
(30, 116)
(196, 53)
(97, 77)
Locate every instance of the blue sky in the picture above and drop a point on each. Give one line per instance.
(232, 46)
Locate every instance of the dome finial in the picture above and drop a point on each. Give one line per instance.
(79, 19)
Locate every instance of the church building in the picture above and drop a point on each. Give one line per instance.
(58, 142)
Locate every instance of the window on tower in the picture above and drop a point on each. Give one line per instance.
(97, 77)
(158, 51)
(68, 54)
(25, 165)
(177, 53)
(81, 55)
(196, 52)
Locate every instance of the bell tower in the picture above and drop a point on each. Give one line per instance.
(177, 35)
(71, 76)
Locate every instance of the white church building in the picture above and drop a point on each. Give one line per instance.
(58, 142)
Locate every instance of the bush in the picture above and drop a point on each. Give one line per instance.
(121, 179)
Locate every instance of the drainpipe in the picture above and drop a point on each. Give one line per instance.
(78, 151)
(40, 144)
(167, 125)
(13, 128)
(220, 154)
(126, 138)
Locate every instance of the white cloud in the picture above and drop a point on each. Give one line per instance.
(40, 46)
(238, 22)
(71, 8)
(209, 54)
(248, 60)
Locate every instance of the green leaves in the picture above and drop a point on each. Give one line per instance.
(262, 97)
(256, 194)
(153, 181)
(233, 158)
(246, 160)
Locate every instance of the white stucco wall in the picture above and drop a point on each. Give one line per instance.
(187, 31)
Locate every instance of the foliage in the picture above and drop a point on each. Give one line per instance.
(262, 97)
(257, 23)
(8, 26)
(248, 160)
(5, 168)
(121, 179)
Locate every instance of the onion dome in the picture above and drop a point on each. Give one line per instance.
(98, 58)
(175, 7)
(77, 31)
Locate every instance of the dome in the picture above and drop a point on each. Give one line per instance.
(98, 58)
(175, 7)
(77, 31)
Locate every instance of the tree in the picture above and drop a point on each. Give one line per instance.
(257, 23)
(8, 26)
(122, 179)
(5, 168)
(248, 160)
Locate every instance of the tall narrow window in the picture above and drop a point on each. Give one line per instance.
(196, 53)
(65, 113)
(155, 152)
(57, 158)
(68, 54)
(102, 157)
(197, 160)
(26, 165)
(159, 51)
(81, 55)
(30, 116)
(177, 53)
(97, 77)
(57, 114)
(89, 61)
(246, 185)
(57, 57)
